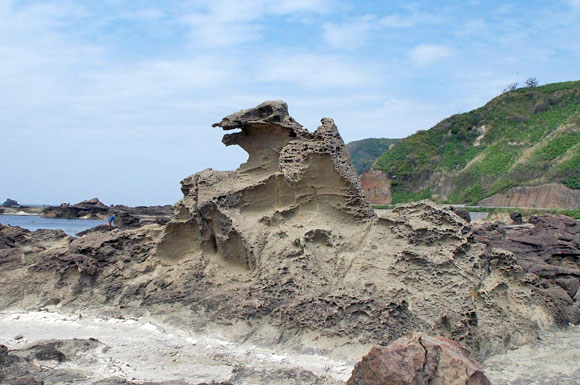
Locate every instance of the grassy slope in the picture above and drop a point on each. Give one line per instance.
(364, 153)
(533, 137)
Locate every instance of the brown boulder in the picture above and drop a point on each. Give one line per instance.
(418, 359)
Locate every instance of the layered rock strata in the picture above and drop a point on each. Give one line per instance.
(550, 195)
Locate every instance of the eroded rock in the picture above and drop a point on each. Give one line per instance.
(290, 172)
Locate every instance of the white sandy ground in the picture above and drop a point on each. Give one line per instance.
(140, 351)
(552, 360)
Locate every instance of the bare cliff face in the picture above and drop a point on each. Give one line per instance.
(550, 195)
(377, 187)
(285, 250)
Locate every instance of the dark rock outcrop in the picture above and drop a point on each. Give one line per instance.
(516, 217)
(463, 213)
(126, 216)
(89, 208)
(549, 250)
(10, 203)
(165, 211)
(418, 359)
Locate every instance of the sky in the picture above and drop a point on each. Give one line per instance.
(115, 99)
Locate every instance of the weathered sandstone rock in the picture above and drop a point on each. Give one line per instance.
(418, 359)
(377, 187)
(292, 175)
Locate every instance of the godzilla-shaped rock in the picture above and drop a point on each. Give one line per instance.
(291, 175)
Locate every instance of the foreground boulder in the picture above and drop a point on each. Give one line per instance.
(418, 359)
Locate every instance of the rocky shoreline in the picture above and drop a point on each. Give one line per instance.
(285, 252)
(126, 216)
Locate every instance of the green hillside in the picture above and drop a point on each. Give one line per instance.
(528, 136)
(364, 153)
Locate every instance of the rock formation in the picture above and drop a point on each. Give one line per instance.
(549, 252)
(88, 208)
(292, 176)
(94, 208)
(377, 187)
(418, 359)
(10, 203)
(286, 250)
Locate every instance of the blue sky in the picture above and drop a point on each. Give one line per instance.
(115, 99)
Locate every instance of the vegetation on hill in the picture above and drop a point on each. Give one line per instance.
(364, 153)
(526, 136)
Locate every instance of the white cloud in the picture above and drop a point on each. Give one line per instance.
(218, 23)
(348, 35)
(400, 20)
(211, 33)
(144, 14)
(425, 54)
(574, 4)
(315, 71)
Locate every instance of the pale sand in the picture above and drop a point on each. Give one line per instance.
(141, 351)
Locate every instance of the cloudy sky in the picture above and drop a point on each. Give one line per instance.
(115, 99)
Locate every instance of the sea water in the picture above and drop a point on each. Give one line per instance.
(35, 222)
